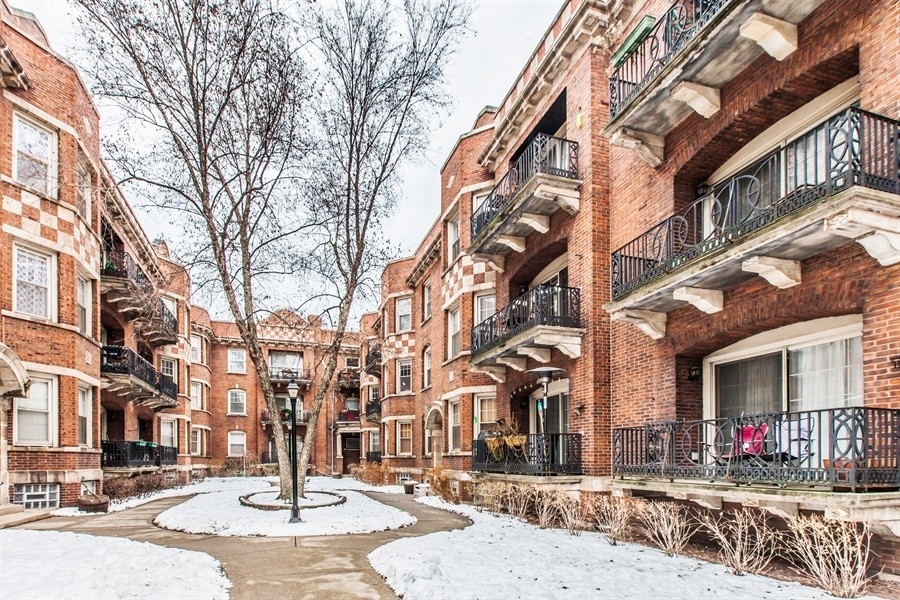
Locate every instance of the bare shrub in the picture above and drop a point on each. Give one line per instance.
(669, 525)
(612, 516)
(519, 500)
(546, 507)
(373, 473)
(442, 484)
(836, 554)
(121, 488)
(568, 511)
(493, 495)
(746, 542)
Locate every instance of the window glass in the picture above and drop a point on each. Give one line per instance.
(237, 402)
(196, 395)
(750, 386)
(196, 349)
(168, 434)
(352, 362)
(453, 334)
(34, 148)
(487, 414)
(84, 190)
(33, 414)
(452, 239)
(84, 417)
(237, 443)
(83, 300)
(404, 375)
(195, 442)
(826, 375)
(374, 441)
(289, 363)
(237, 360)
(484, 307)
(404, 438)
(426, 301)
(426, 367)
(455, 426)
(32, 283)
(167, 367)
(404, 314)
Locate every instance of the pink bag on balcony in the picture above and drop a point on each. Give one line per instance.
(750, 439)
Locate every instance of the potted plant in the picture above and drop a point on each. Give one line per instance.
(93, 503)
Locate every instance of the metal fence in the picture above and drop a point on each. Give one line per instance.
(138, 453)
(534, 454)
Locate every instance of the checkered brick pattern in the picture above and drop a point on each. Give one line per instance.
(464, 276)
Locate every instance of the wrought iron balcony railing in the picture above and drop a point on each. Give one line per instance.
(349, 378)
(348, 416)
(280, 374)
(118, 263)
(130, 454)
(851, 447)
(373, 456)
(544, 155)
(533, 454)
(373, 361)
(543, 305)
(121, 360)
(169, 321)
(167, 386)
(852, 148)
(373, 410)
(682, 22)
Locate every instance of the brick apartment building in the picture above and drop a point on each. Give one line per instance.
(691, 210)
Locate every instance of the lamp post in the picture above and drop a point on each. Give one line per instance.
(292, 390)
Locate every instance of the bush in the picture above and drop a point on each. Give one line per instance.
(247, 465)
(836, 554)
(520, 500)
(374, 473)
(121, 488)
(442, 485)
(611, 516)
(668, 525)
(746, 542)
(546, 507)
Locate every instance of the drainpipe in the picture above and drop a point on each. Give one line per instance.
(333, 429)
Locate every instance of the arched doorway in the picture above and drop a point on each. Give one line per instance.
(434, 434)
(13, 384)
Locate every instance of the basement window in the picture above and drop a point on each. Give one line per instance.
(36, 495)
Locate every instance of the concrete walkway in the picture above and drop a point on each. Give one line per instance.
(268, 567)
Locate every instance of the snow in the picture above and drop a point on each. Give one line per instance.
(220, 513)
(311, 500)
(52, 564)
(503, 557)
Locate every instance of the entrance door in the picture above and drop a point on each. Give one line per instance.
(350, 442)
(551, 448)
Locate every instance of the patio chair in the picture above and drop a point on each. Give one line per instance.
(793, 442)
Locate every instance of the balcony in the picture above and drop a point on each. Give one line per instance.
(136, 454)
(265, 418)
(348, 379)
(542, 180)
(852, 448)
(348, 416)
(373, 362)
(533, 324)
(129, 375)
(679, 66)
(285, 375)
(836, 183)
(373, 456)
(532, 454)
(373, 410)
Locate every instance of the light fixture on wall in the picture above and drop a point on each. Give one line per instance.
(694, 373)
(895, 361)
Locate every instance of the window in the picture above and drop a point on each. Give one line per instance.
(172, 305)
(453, 335)
(384, 321)
(196, 395)
(237, 402)
(485, 307)
(169, 366)
(33, 282)
(36, 495)
(426, 445)
(426, 367)
(83, 300)
(403, 307)
(453, 239)
(286, 363)
(168, 433)
(374, 441)
(426, 302)
(237, 360)
(386, 438)
(486, 411)
(34, 161)
(404, 438)
(351, 362)
(404, 375)
(455, 427)
(195, 442)
(84, 189)
(84, 417)
(478, 199)
(237, 443)
(373, 393)
(196, 349)
(89, 488)
(199, 441)
(35, 414)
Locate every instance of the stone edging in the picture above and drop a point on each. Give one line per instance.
(245, 501)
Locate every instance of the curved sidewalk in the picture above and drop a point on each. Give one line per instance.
(268, 567)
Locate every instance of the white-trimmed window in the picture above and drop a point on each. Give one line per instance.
(237, 443)
(169, 366)
(168, 433)
(455, 433)
(426, 302)
(404, 438)
(196, 349)
(478, 199)
(373, 393)
(486, 411)
(403, 307)
(374, 441)
(453, 333)
(34, 282)
(286, 363)
(351, 362)
(237, 360)
(83, 300)
(385, 438)
(35, 415)
(453, 239)
(34, 158)
(85, 412)
(426, 442)
(199, 441)
(84, 190)
(237, 402)
(195, 442)
(426, 367)
(196, 395)
(172, 305)
(485, 307)
(36, 495)
(404, 375)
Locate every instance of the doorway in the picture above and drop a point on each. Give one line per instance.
(350, 443)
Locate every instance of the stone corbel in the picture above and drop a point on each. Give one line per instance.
(513, 242)
(702, 99)
(570, 345)
(514, 363)
(541, 355)
(496, 261)
(566, 199)
(650, 322)
(709, 301)
(879, 234)
(778, 38)
(498, 374)
(648, 146)
(779, 272)
(539, 223)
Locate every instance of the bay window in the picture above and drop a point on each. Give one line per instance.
(33, 282)
(34, 156)
(403, 307)
(35, 415)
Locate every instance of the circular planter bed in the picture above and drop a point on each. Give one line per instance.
(268, 500)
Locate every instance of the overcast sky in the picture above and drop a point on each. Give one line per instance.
(505, 32)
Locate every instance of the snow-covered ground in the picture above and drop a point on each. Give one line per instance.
(220, 513)
(502, 557)
(52, 564)
(245, 485)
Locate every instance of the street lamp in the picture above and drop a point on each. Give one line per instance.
(292, 390)
(544, 376)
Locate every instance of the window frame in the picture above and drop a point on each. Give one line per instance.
(173, 423)
(398, 316)
(426, 367)
(454, 243)
(84, 294)
(198, 348)
(52, 412)
(451, 333)
(426, 302)
(401, 438)
(236, 434)
(52, 188)
(52, 304)
(399, 365)
(479, 398)
(240, 392)
(88, 405)
(347, 360)
(243, 361)
(476, 306)
(454, 439)
(165, 360)
(198, 405)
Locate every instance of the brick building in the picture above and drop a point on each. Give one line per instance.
(690, 211)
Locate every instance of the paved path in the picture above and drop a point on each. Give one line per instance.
(275, 567)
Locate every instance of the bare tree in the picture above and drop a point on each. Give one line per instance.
(380, 78)
(213, 93)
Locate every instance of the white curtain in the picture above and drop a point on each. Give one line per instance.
(826, 375)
